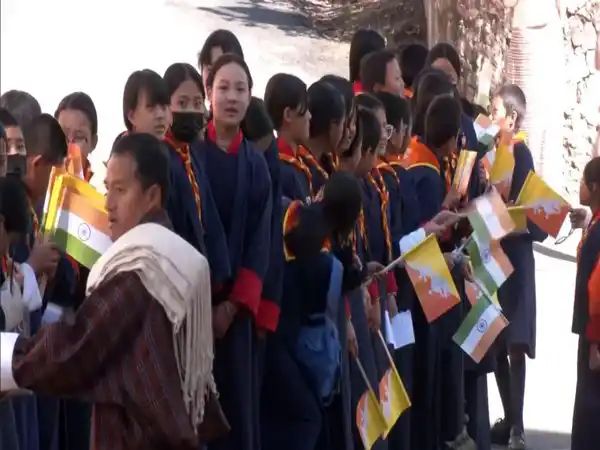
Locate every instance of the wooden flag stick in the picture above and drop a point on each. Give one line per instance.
(363, 373)
(387, 350)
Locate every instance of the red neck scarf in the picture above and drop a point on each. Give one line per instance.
(287, 154)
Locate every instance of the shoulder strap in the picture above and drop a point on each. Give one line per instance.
(335, 282)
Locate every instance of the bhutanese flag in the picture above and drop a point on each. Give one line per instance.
(431, 278)
(474, 292)
(545, 207)
(490, 264)
(369, 419)
(81, 228)
(490, 218)
(480, 329)
(464, 169)
(518, 214)
(502, 170)
(392, 397)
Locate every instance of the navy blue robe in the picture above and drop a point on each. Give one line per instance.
(439, 363)
(181, 204)
(269, 308)
(296, 183)
(240, 187)
(585, 432)
(517, 294)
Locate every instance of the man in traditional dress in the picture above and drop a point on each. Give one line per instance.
(140, 345)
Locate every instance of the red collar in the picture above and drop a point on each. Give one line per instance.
(234, 145)
(285, 148)
(357, 87)
(172, 141)
(408, 93)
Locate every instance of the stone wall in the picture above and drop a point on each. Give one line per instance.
(582, 93)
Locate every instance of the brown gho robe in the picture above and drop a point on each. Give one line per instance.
(118, 354)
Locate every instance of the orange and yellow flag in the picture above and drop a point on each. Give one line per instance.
(431, 278)
(74, 162)
(370, 421)
(464, 169)
(518, 214)
(393, 397)
(545, 207)
(502, 170)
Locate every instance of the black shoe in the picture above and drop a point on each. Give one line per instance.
(517, 440)
(500, 432)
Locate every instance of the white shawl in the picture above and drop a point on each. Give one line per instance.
(178, 277)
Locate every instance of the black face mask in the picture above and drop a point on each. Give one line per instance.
(187, 125)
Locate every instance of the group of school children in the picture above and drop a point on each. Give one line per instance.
(298, 201)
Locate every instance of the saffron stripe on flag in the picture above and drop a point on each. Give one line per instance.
(79, 205)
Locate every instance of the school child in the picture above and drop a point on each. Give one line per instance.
(438, 361)
(296, 411)
(443, 56)
(585, 433)
(403, 215)
(517, 294)
(46, 147)
(258, 129)
(22, 105)
(331, 161)
(187, 205)
(239, 185)
(327, 121)
(381, 216)
(363, 42)
(216, 44)
(77, 116)
(398, 115)
(146, 103)
(365, 306)
(412, 59)
(380, 72)
(15, 142)
(287, 104)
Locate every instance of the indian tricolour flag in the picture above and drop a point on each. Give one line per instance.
(490, 218)
(480, 329)
(490, 264)
(81, 228)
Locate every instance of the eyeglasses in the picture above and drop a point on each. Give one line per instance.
(562, 239)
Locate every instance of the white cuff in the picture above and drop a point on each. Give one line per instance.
(7, 347)
(31, 291)
(410, 241)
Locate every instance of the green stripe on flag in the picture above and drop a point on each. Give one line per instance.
(471, 320)
(479, 268)
(479, 226)
(73, 247)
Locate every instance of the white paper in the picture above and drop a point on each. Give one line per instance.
(402, 326)
(389, 333)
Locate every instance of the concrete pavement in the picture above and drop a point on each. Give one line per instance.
(52, 48)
